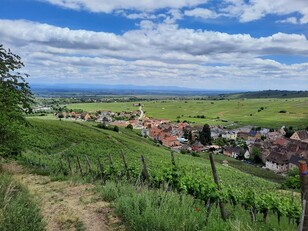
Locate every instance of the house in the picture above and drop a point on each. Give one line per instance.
(230, 135)
(243, 135)
(170, 141)
(254, 135)
(264, 131)
(106, 119)
(277, 162)
(154, 132)
(300, 135)
(274, 135)
(281, 142)
(227, 151)
(236, 151)
(233, 152)
(185, 147)
(162, 135)
(197, 147)
(85, 116)
(293, 162)
(247, 154)
(145, 132)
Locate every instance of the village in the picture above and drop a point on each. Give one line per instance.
(267, 147)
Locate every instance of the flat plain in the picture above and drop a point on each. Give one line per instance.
(271, 113)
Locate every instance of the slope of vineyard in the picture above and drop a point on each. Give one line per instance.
(57, 138)
(83, 150)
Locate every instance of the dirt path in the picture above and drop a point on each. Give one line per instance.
(66, 205)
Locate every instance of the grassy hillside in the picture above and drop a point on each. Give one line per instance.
(257, 112)
(48, 141)
(51, 139)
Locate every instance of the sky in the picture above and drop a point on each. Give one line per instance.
(203, 44)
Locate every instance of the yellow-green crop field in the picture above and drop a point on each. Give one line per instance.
(257, 112)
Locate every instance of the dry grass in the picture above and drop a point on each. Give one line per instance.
(66, 205)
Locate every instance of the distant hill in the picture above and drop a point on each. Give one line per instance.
(269, 94)
(91, 89)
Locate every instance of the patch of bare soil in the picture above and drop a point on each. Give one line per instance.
(67, 205)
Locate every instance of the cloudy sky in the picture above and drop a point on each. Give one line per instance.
(205, 44)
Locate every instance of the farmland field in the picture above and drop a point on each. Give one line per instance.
(272, 113)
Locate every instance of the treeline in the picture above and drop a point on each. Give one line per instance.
(273, 94)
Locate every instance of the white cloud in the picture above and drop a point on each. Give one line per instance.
(257, 9)
(291, 20)
(108, 6)
(201, 13)
(154, 54)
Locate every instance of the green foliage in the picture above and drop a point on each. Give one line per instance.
(145, 209)
(129, 126)
(289, 131)
(256, 155)
(292, 180)
(60, 116)
(15, 100)
(17, 211)
(205, 135)
(116, 129)
(102, 126)
(155, 209)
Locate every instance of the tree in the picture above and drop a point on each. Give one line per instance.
(256, 155)
(116, 129)
(129, 126)
(205, 135)
(15, 100)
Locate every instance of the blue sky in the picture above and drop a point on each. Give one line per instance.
(228, 44)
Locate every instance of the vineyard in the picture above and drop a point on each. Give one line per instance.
(243, 111)
(67, 149)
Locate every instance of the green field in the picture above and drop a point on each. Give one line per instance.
(244, 112)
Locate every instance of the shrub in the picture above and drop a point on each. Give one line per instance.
(129, 127)
(102, 126)
(282, 111)
(116, 129)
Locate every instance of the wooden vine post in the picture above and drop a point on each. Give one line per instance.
(69, 164)
(88, 164)
(304, 195)
(215, 177)
(101, 169)
(79, 165)
(125, 165)
(145, 172)
(173, 159)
